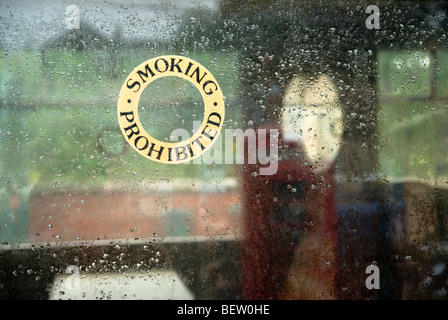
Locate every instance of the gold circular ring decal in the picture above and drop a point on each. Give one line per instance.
(135, 84)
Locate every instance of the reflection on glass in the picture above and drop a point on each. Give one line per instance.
(311, 116)
(361, 175)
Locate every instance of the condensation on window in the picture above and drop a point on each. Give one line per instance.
(327, 179)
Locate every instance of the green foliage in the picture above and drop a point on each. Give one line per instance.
(59, 120)
(413, 114)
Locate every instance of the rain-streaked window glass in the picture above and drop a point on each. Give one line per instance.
(223, 149)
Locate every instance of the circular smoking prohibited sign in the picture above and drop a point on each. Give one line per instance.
(138, 137)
